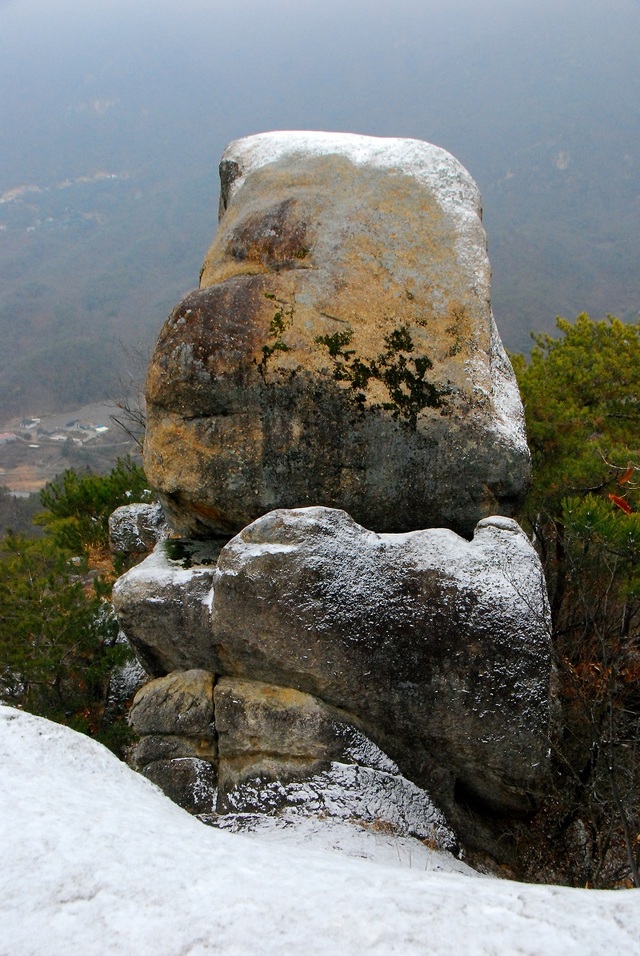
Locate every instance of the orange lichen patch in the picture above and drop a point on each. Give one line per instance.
(171, 433)
(364, 241)
(274, 694)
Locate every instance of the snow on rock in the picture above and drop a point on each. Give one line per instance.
(436, 646)
(95, 860)
(439, 645)
(283, 752)
(430, 165)
(386, 802)
(163, 605)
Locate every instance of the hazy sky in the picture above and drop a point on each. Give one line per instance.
(463, 73)
(538, 98)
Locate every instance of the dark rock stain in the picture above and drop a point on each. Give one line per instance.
(275, 238)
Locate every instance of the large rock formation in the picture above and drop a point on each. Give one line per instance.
(341, 356)
(439, 645)
(341, 349)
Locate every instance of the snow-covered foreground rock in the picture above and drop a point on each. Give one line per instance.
(95, 860)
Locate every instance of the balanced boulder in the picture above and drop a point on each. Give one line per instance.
(341, 350)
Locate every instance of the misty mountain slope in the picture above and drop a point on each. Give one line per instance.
(113, 118)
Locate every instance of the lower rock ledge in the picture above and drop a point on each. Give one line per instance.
(378, 801)
(188, 781)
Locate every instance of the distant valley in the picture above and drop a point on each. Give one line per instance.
(89, 270)
(34, 451)
(112, 122)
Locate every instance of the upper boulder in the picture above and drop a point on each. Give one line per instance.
(341, 350)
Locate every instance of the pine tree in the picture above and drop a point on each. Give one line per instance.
(581, 393)
(58, 636)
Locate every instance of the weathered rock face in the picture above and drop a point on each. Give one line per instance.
(136, 528)
(173, 717)
(284, 752)
(163, 605)
(258, 721)
(341, 350)
(180, 703)
(245, 750)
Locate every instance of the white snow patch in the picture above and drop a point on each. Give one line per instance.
(508, 421)
(430, 165)
(353, 838)
(158, 572)
(364, 752)
(158, 567)
(257, 549)
(207, 600)
(95, 860)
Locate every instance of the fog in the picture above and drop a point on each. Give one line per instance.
(120, 81)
